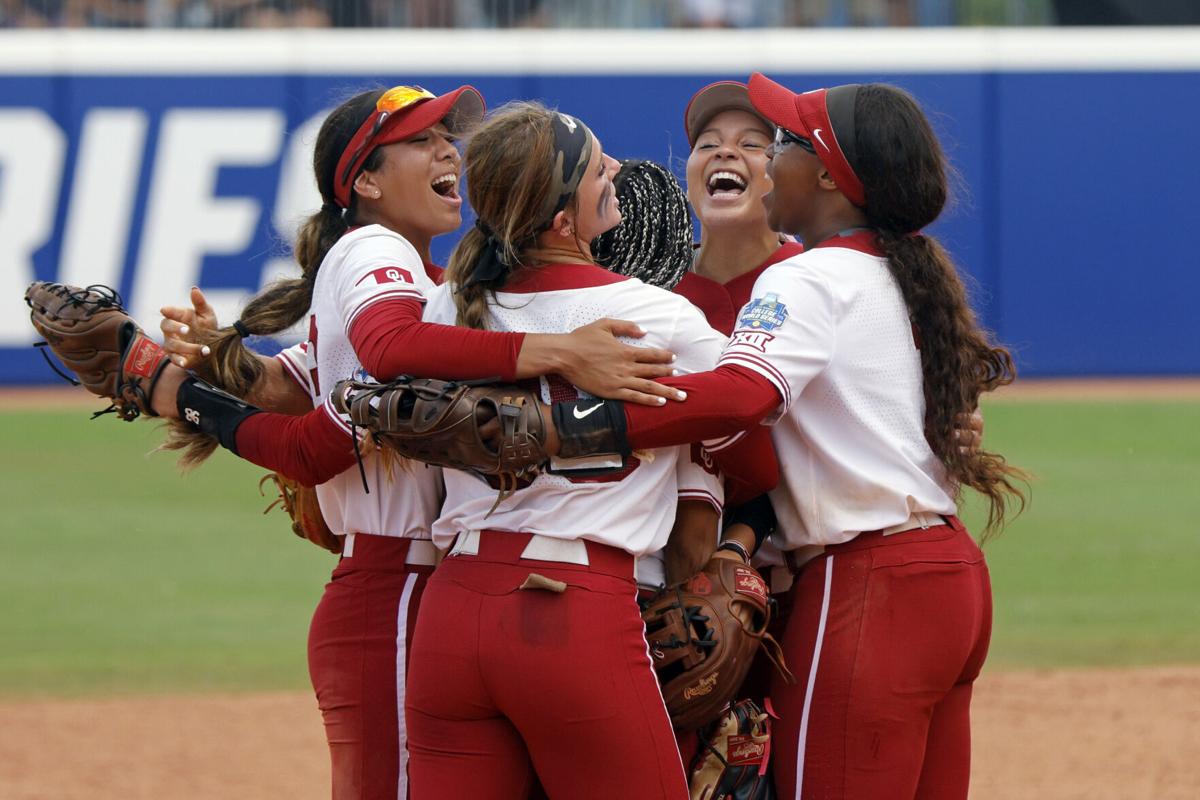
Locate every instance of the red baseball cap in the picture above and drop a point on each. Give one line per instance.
(401, 112)
(825, 116)
(712, 100)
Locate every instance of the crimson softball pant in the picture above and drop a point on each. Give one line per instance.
(886, 635)
(505, 682)
(357, 652)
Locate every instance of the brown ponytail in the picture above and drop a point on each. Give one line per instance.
(508, 176)
(233, 367)
(904, 173)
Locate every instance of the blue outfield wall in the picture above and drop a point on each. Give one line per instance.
(1075, 213)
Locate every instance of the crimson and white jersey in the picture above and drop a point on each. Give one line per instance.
(366, 266)
(295, 365)
(633, 509)
(830, 330)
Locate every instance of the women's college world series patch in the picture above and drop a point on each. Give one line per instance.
(758, 319)
(764, 313)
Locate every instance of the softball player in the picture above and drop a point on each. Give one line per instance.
(529, 655)
(387, 168)
(844, 350)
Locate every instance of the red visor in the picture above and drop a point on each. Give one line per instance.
(808, 115)
(401, 112)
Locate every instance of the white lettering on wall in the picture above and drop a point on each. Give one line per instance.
(31, 163)
(184, 220)
(103, 193)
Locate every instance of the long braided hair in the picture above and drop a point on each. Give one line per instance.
(232, 366)
(653, 243)
(904, 174)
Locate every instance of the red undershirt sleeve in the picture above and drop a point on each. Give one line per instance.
(310, 449)
(750, 466)
(390, 340)
(725, 401)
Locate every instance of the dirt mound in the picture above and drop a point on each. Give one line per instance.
(1096, 734)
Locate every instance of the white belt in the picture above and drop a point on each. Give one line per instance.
(919, 519)
(781, 578)
(540, 548)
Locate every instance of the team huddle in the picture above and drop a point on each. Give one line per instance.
(618, 516)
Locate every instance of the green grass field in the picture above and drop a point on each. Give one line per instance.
(121, 576)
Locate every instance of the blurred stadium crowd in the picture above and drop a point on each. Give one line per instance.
(586, 13)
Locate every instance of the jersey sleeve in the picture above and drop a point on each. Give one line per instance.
(295, 365)
(378, 268)
(786, 333)
(698, 477)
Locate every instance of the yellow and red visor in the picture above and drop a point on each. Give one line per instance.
(401, 112)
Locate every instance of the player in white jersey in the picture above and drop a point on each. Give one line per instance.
(860, 353)
(387, 167)
(529, 655)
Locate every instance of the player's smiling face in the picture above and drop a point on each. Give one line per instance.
(726, 171)
(596, 206)
(418, 185)
(795, 174)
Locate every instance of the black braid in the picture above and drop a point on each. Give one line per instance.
(653, 243)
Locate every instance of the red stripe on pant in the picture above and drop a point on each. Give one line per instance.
(357, 646)
(506, 681)
(886, 636)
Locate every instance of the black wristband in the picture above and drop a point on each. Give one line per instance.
(758, 515)
(210, 410)
(734, 546)
(590, 427)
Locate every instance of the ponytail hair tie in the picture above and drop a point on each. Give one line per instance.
(241, 329)
(491, 265)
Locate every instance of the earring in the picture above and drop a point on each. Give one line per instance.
(377, 194)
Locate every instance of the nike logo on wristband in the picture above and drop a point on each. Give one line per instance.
(581, 414)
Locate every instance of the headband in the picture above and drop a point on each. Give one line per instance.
(572, 152)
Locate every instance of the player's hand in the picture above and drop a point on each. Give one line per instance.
(180, 328)
(601, 365)
(968, 432)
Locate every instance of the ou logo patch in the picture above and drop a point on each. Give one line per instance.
(191, 415)
(388, 275)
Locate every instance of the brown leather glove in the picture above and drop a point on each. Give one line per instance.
(703, 634)
(300, 503)
(99, 342)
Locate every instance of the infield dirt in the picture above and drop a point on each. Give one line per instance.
(1053, 735)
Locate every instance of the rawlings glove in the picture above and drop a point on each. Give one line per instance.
(300, 503)
(703, 634)
(732, 761)
(99, 342)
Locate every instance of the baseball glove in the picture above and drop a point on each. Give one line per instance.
(438, 422)
(703, 634)
(732, 761)
(300, 503)
(99, 342)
